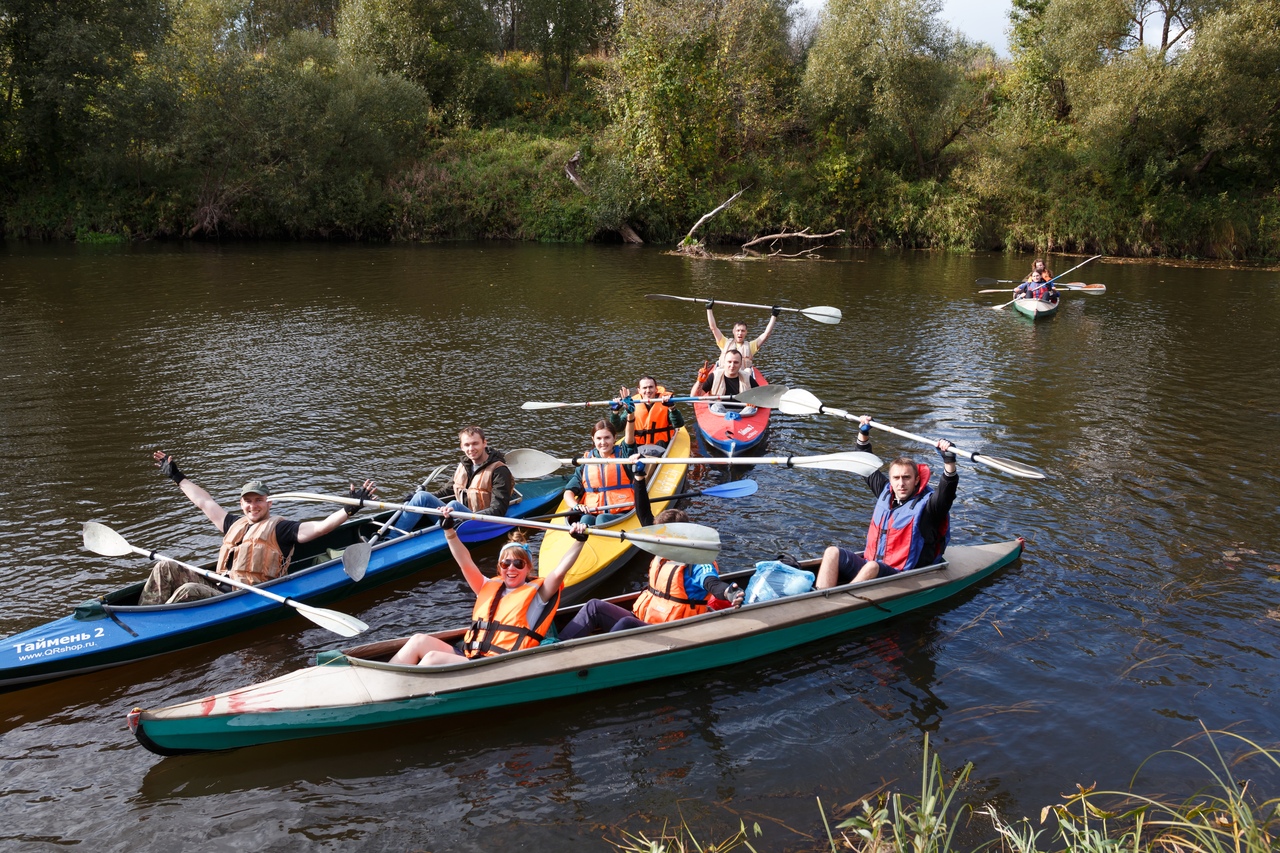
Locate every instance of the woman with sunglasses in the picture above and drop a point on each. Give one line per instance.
(512, 611)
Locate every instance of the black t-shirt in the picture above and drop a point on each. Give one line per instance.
(286, 532)
(731, 385)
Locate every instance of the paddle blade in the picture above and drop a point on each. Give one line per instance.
(101, 539)
(525, 463)
(734, 489)
(534, 406)
(355, 560)
(1008, 466)
(331, 620)
(764, 396)
(678, 541)
(985, 281)
(856, 462)
(823, 314)
(798, 401)
(997, 290)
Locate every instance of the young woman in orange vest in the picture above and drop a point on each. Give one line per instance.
(674, 591)
(594, 486)
(513, 610)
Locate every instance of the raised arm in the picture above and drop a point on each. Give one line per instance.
(768, 330)
(711, 321)
(309, 530)
(470, 571)
(203, 500)
(551, 583)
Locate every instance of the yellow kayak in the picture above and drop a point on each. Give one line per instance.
(601, 556)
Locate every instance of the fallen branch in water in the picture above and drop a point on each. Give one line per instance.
(691, 246)
(791, 235)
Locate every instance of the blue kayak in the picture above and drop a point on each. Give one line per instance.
(112, 630)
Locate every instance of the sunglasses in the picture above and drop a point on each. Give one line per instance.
(513, 564)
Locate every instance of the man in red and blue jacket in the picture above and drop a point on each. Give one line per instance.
(909, 525)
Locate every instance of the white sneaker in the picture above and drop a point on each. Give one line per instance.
(748, 411)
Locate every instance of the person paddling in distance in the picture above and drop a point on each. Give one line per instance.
(482, 484)
(513, 610)
(1036, 285)
(256, 546)
(739, 341)
(595, 486)
(725, 379)
(675, 590)
(654, 417)
(910, 525)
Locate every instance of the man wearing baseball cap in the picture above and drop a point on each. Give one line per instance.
(256, 546)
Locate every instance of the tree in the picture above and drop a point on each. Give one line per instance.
(439, 44)
(889, 72)
(698, 91)
(562, 30)
(57, 60)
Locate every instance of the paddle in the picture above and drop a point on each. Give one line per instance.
(526, 462)
(764, 397)
(801, 402)
(821, 313)
(683, 543)
(103, 540)
(1081, 287)
(373, 540)
(735, 489)
(1050, 281)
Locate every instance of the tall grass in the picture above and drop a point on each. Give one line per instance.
(1222, 817)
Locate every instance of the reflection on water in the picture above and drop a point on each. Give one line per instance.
(1147, 599)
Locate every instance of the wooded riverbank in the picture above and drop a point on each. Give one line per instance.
(373, 120)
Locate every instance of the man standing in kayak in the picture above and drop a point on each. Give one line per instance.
(727, 379)
(256, 546)
(910, 525)
(739, 340)
(482, 484)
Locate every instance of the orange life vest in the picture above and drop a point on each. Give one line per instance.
(607, 485)
(665, 599)
(653, 421)
(476, 493)
(509, 630)
(250, 552)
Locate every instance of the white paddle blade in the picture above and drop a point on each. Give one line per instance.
(1008, 466)
(823, 314)
(763, 396)
(331, 620)
(856, 462)
(535, 406)
(798, 401)
(101, 539)
(525, 463)
(355, 560)
(679, 541)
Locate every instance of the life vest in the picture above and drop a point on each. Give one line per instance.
(476, 491)
(653, 421)
(894, 538)
(718, 383)
(1038, 287)
(509, 629)
(665, 599)
(250, 552)
(745, 348)
(606, 485)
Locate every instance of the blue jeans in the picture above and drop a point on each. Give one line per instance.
(411, 521)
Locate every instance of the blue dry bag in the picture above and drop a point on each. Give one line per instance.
(776, 580)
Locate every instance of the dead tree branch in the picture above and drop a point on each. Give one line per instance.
(805, 235)
(571, 169)
(688, 241)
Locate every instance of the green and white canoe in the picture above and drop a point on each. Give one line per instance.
(356, 689)
(1037, 309)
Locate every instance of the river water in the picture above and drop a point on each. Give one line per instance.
(1146, 604)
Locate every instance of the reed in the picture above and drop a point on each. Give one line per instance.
(1222, 817)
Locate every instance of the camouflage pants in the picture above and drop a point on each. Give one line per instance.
(171, 583)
